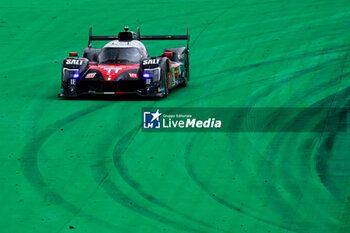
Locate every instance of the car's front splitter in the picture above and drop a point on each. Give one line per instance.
(111, 93)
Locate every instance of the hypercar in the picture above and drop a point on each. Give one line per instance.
(123, 66)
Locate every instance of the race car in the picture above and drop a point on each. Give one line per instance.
(123, 66)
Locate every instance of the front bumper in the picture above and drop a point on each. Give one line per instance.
(78, 88)
(138, 93)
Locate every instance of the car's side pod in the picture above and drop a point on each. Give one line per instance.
(180, 54)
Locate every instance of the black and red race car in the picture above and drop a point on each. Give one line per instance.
(123, 66)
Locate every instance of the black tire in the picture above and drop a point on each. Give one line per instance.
(183, 84)
(165, 81)
(184, 81)
(184, 78)
(186, 73)
(187, 67)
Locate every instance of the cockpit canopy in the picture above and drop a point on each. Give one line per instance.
(129, 55)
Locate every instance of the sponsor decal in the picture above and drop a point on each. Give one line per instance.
(74, 62)
(176, 67)
(151, 62)
(109, 69)
(90, 75)
(72, 81)
(108, 72)
(112, 71)
(132, 75)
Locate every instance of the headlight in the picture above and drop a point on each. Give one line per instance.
(153, 74)
(70, 73)
(76, 75)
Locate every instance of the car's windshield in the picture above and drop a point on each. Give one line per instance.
(119, 56)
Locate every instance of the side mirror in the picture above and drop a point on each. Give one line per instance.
(168, 54)
(73, 54)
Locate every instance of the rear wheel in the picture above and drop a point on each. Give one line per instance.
(184, 83)
(164, 77)
(184, 78)
(186, 72)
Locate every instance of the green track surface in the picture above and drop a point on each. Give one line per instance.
(85, 165)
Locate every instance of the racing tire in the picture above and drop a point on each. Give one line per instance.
(184, 81)
(165, 82)
(183, 84)
(186, 73)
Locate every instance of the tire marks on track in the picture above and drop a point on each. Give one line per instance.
(333, 50)
(31, 171)
(323, 153)
(101, 175)
(119, 150)
(104, 181)
(189, 168)
(337, 49)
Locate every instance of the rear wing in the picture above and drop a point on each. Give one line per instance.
(136, 36)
